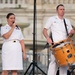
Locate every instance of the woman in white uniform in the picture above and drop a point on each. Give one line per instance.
(13, 46)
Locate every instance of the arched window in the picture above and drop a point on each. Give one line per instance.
(1, 1)
(16, 1)
(6, 1)
(11, 1)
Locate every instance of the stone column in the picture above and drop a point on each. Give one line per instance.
(13, 2)
(8, 1)
(19, 2)
(31, 1)
(39, 2)
(3, 2)
(23, 1)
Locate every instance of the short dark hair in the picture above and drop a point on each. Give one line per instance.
(9, 14)
(59, 6)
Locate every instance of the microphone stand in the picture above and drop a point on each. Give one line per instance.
(34, 64)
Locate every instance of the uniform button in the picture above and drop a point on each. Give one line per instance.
(14, 41)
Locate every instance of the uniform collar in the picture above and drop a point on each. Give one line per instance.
(7, 25)
(59, 18)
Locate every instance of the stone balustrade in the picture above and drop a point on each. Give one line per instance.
(23, 3)
(59, 1)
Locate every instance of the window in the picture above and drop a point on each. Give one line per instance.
(16, 1)
(11, 1)
(1, 1)
(6, 1)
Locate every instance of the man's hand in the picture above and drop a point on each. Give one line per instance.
(49, 40)
(71, 33)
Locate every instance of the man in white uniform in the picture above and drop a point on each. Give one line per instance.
(57, 28)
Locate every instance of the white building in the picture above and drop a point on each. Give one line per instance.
(24, 11)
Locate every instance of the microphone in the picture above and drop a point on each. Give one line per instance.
(16, 25)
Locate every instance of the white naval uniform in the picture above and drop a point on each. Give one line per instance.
(11, 49)
(58, 30)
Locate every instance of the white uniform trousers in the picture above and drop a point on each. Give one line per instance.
(53, 67)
